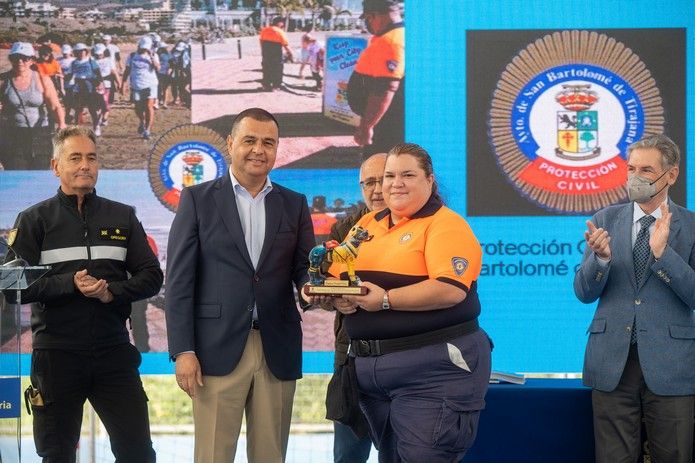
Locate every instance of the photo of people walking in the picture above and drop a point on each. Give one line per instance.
(95, 83)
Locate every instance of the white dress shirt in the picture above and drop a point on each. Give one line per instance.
(252, 218)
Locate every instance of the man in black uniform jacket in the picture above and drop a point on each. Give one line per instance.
(100, 263)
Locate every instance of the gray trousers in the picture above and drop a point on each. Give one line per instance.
(618, 421)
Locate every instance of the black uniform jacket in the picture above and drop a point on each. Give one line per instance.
(108, 241)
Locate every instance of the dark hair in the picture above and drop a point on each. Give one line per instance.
(379, 6)
(277, 20)
(257, 114)
(319, 203)
(424, 160)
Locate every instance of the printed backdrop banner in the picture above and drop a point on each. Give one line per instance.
(525, 108)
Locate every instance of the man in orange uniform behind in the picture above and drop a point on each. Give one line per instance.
(381, 67)
(273, 40)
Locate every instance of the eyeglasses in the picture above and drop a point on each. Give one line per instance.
(371, 183)
(17, 58)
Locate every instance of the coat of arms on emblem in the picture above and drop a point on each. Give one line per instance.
(568, 165)
(193, 170)
(185, 156)
(577, 126)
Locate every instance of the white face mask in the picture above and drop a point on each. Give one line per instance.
(642, 190)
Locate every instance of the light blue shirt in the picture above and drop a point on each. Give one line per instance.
(252, 218)
(164, 63)
(142, 71)
(86, 68)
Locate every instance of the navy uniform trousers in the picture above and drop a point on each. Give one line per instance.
(109, 379)
(423, 404)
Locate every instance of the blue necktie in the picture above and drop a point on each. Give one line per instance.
(640, 255)
(641, 251)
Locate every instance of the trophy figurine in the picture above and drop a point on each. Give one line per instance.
(332, 251)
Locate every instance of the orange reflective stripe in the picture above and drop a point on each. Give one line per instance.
(273, 34)
(385, 55)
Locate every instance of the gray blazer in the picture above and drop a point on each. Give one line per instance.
(661, 304)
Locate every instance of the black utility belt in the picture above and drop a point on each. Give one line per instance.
(376, 347)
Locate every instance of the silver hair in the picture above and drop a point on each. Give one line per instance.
(670, 154)
(68, 132)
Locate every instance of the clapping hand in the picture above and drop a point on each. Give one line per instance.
(659, 236)
(598, 240)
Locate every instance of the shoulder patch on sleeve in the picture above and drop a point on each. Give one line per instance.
(11, 236)
(460, 265)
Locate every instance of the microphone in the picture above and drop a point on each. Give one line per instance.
(18, 262)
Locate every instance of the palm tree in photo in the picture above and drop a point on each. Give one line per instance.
(284, 8)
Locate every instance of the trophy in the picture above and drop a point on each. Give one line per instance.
(332, 251)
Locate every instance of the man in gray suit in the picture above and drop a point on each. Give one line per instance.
(640, 358)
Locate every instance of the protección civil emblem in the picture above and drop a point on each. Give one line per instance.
(563, 114)
(184, 156)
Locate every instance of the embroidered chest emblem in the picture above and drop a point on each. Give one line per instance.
(405, 238)
(113, 233)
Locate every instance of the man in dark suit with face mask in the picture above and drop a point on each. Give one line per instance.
(640, 357)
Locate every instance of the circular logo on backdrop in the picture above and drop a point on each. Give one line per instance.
(184, 156)
(563, 114)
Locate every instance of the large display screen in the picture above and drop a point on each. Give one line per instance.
(526, 108)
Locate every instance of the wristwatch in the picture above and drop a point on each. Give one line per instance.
(385, 304)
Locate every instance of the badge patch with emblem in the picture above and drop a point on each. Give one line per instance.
(561, 121)
(391, 65)
(459, 264)
(11, 236)
(406, 237)
(186, 155)
(113, 234)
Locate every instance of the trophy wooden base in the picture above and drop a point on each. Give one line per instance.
(335, 288)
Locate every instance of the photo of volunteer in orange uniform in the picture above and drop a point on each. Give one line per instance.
(380, 70)
(422, 362)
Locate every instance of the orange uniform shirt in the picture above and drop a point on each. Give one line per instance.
(274, 34)
(322, 223)
(48, 68)
(436, 243)
(384, 56)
